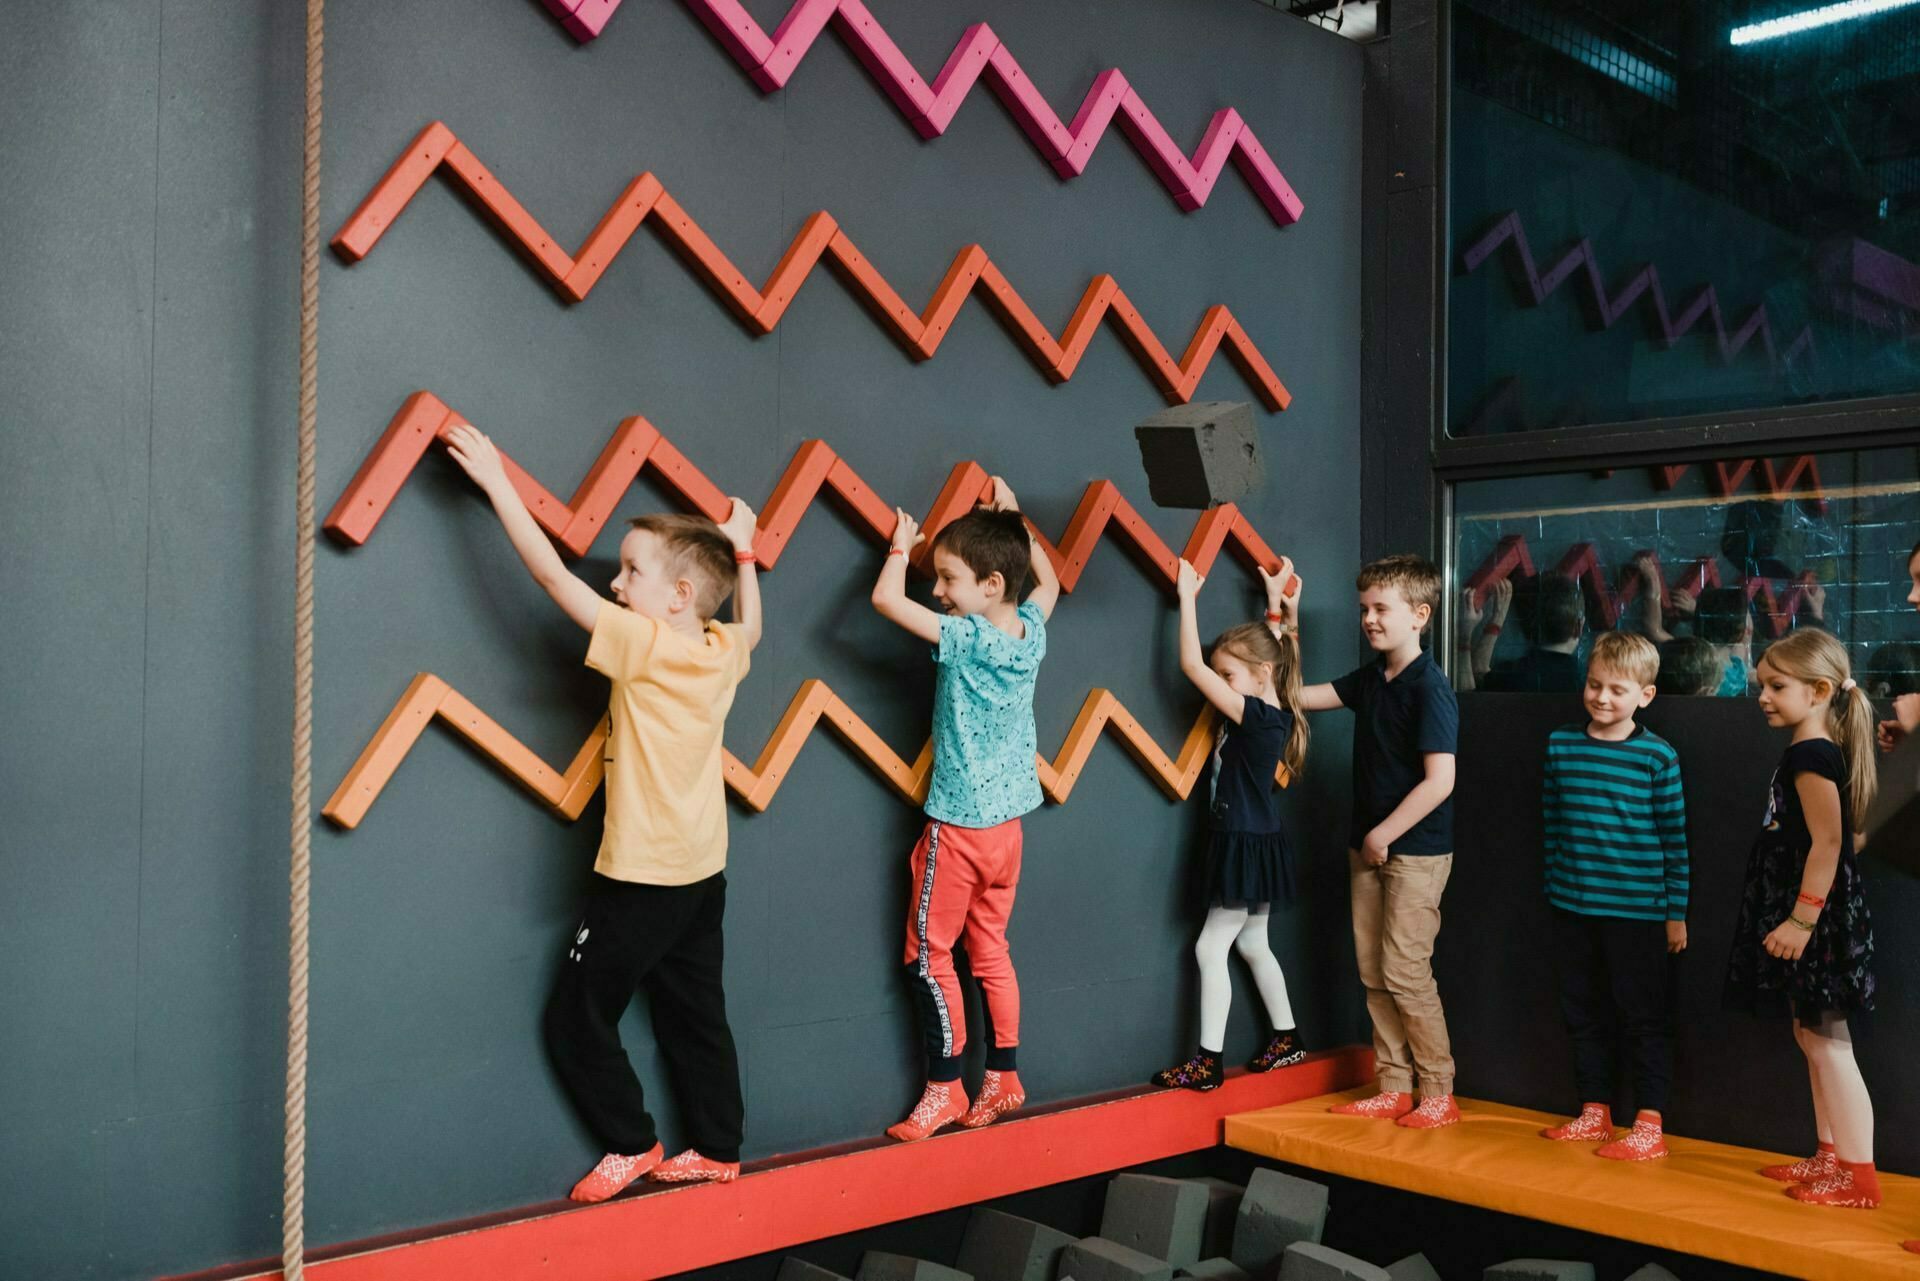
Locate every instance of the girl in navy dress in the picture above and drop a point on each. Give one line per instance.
(1253, 679)
(1804, 942)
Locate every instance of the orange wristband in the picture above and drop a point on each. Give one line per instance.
(743, 557)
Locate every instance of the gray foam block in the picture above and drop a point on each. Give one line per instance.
(1200, 454)
(1223, 1203)
(1213, 1270)
(1006, 1247)
(1413, 1268)
(1166, 1218)
(877, 1265)
(1653, 1272)
(1539, 1270)
(1311, 1261)
(1096, 1259)
(1277, 1211)
(792, 1269)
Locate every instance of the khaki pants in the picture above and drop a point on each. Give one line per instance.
(1396, 917)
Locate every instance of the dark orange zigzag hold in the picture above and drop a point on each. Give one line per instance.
(567, 791)
(645, 200)
(636, 445)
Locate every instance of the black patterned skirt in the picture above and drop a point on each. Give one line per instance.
(1246, 869)
(1834, 976)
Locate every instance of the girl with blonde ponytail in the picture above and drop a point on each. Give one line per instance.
(1253, 680)
(1804, 943)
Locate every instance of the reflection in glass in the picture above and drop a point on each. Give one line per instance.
(1711, 561)
(1650, 221)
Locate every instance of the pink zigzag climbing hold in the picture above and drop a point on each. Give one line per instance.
(770, 60)
(1604, 310)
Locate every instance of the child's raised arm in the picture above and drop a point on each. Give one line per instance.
(739, 529)
(890, 593)
(1046, 584)
(1193, 661)
(481, 461)
(1313, 698)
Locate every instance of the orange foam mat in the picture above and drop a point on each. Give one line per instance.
(1706, 1199)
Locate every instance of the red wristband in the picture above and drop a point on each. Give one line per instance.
(743, 557)
(1275, 618)
(1491, 629)
(896, 551)
(1811, 901)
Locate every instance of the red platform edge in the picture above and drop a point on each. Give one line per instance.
(789, 1200)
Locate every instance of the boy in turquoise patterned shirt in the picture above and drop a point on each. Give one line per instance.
(966, 865)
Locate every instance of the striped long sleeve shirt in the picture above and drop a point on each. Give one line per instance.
(1616, 826)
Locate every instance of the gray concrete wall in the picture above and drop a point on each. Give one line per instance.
(147, 329)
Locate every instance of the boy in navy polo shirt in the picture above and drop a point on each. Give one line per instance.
(1401, 840)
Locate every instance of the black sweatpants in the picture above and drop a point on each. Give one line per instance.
(667, 940)
(1617, 980)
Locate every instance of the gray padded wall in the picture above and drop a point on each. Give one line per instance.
(147, 329)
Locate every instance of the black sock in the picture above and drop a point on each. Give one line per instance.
(1211, 1056)
(1000, 1058)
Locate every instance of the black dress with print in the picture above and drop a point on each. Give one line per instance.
(1249, 861)
(1835, 973)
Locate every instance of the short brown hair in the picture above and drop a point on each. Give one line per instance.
(991, 542)
(694, 548)
(1628, 653)
(1417, 578)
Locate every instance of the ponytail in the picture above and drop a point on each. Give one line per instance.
(1255, 643)
(1850, 717)
(1818, 658)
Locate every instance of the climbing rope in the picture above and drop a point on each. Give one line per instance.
(294, 1187)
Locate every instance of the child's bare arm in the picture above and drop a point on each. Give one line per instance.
(1046, 584)
(481, 461)
(890, 593)
(1193, 661)
(1313, 698)
(1426, 796)
(739, 529)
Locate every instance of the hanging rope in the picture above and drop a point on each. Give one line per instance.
(294, 1188)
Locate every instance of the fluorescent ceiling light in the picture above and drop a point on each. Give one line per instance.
(1807, 19)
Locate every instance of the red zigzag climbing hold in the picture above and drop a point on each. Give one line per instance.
(637, 444)
(770, 60)
(819, 237)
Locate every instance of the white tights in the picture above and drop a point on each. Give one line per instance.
(1245, 932)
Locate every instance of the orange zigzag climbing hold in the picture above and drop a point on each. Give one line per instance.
(819, 237)
(567, 791)
(636, 444)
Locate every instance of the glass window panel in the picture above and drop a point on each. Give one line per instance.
(1649, 220)
(1735, 552)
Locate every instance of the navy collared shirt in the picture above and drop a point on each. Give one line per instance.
(1397, 723)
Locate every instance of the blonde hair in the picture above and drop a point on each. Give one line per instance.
(1628, 653)
(1255, 643)
(693, 547)
(1816, 657)
(1416, 578)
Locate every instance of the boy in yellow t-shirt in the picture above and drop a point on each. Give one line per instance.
(658, 892)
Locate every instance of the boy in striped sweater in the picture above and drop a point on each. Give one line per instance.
(1616, 873)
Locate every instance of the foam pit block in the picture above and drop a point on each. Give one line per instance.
(1004, 1247)
(1277, 1211)
(876, 1265)
(1215, 1269)
(1164, 1218)
(1539, 1270)
(792, 1269)
(1096, 1259)
(1223, 1203)
(1311, 1261)
(1413, 1268)
(1653, 1272)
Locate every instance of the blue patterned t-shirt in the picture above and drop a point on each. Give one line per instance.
(983, 736)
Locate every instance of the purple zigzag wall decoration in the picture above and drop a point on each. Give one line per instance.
(1604, 310)
(770, 60)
